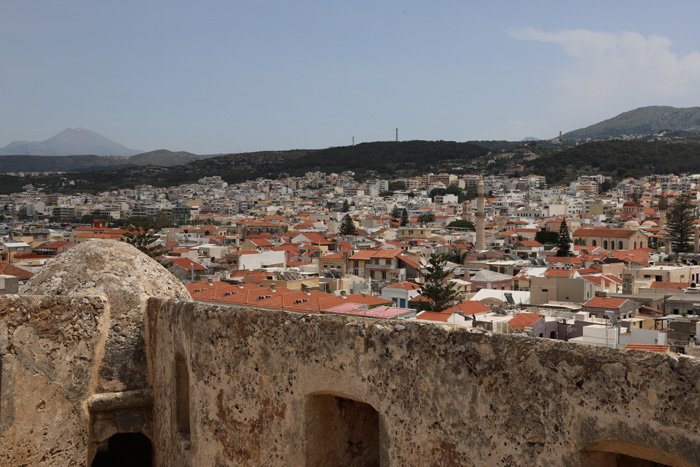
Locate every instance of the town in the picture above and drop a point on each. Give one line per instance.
(592, 262)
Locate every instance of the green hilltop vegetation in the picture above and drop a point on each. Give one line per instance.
(642, 121)
(616, 158)
(620, 159)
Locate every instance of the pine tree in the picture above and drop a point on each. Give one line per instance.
(440, 293)
(144, 239)
(346, 206)
(564, 242)
(404, 217)
(395, 212)
(347, 226)
(680, 221)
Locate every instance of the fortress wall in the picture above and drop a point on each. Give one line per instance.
(49, 350)
(273, 388)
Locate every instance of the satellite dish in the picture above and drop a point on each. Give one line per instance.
(611, 316)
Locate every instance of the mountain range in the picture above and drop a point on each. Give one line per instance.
(642, 121)
(70, 142)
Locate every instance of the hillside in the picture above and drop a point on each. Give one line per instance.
(616, 158)
(642, 121)
(620, 159)
(72, 141)
(384, 159)
(161, 158)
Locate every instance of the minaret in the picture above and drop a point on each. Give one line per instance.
(480, 217)
(663, 206)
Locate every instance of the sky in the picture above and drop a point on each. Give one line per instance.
(236, 76)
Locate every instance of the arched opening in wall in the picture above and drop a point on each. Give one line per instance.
(182, 398)
(341, 432)
(620, 246)
(594, 243)
(132, 449)
(605, 244)
(611, 453)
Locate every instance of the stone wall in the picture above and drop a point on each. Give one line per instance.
(261, 382)
(49, 347)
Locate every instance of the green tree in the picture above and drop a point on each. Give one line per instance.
(395, 212)
(404, 217)
(144, 239)
(605, 186)
(398, 185)
(462, 224)
(346, 206)
(680, 221)
(426, 218)
(347, 226)
(546, 237)
(564, 240)
(438, 291)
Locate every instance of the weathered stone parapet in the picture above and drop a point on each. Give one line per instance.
(48, 347)
(443, 395)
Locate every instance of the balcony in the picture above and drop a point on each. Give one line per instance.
(380, 267)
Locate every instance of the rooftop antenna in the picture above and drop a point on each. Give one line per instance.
(353, 140)
(397, 135)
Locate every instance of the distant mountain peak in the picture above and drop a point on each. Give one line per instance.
(642, 121)
(70, 142)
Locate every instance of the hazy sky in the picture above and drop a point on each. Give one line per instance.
(230, 76)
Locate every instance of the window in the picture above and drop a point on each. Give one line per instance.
(182, 397)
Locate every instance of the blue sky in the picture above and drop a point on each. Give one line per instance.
(230, 76)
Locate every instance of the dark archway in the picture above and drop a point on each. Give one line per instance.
(122, 449)
(341, 432)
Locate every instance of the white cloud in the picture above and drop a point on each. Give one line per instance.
(621, 70)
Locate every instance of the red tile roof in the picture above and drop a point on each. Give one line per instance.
(10, 270)
(610, 303)
(441, 316)
(523, 320)
(603, 232)
(649, 347)
(469, 308)
(186, 263)
(404, 285)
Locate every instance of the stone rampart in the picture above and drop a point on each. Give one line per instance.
(275, 388)
(91, 358)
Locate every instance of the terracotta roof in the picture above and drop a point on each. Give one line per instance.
(404, 285)
(611, 303)
(558, 273)
(441, 316)
(523, 320)
(10, 270)
(530, 243)
(649, 347)
(186, 263)
(604, 233)
(471, 307)
(411, 263)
